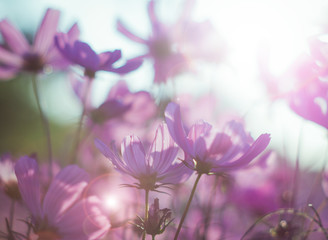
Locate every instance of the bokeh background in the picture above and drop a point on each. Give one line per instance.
(248, 30)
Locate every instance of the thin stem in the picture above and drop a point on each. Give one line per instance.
(146, 212)
(153, 237)
(11, 214)
(187, 207)
(297, 167)
(79, 129)
(44, 120)
(208, 214)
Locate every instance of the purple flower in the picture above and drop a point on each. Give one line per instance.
(211, 152)
(80, 53)
(155, 166)
(158, 219)
(63, 213)
(174, 47)
(21, 56)
(311, 101)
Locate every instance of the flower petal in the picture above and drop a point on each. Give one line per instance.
(112, 156)
(44, 37)
(27, 173)
(7, 73)
(9, 58)
(84, 220)
(65, 189)
(198, 134)
(174, 124)
(253, 151)
(14, 38)
(134, 155)
(176, 173)
(163, 151)
(108, 58)
(85, 56)
(122, 29)
(129, 66)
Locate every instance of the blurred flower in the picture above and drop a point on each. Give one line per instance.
(8, 180)
(157, 166)
(122, 112)
(174, 47)
(80, 53)
(208, 151)
(19, 56)
(63, 214)
(311, 102)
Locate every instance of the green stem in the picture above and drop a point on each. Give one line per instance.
(44, 120)
(11, 214)
(146, 212)
(79, 129)
(208, 210)
(187, 207)
(297, 168)
(153, 237)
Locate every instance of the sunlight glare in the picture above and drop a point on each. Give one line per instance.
(111, 202)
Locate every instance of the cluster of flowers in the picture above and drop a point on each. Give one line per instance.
(215, 180)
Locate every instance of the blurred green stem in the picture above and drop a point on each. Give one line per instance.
(11, 214)
(44, 120)
(85, 97)
(187, 207)
(146, 212)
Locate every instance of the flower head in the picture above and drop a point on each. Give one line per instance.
(63, 213)
(158, 219)
(208, 151)
(21, 56)
(149, 169)
(81, 53)
(173, 47)
(311, 102)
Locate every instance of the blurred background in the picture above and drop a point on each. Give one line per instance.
(250, 31)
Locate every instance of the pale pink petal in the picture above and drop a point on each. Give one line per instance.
(108, 58)
(84, 220)
(27, 173)
(142, 109)
(122, 29)
(163, 151)
(134, 155)
(220, 144)
(253, 151)
(74, 32)
(151, 12)
(14, 38)
(197, 134)
(44, 37)
(108, 153)
(174, 124)
(7, 73)
(175, 174)
(65, 189)
(9, 58)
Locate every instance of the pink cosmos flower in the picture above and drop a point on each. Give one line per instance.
(174, 47)
(311, 102)
(211, 152)
(63, 213)
(123, 112)
(80, 53)
(20, 56)
(156, 166)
